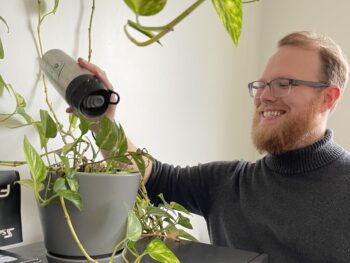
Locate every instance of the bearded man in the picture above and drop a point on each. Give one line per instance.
(293, 204)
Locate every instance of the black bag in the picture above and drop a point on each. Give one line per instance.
(10, 209)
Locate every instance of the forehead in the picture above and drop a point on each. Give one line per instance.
(293, 62)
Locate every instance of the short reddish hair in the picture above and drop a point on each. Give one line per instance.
(334, 65)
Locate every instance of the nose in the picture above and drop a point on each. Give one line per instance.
(266, 95)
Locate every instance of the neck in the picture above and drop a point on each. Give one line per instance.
(305, 159)
(309, 138)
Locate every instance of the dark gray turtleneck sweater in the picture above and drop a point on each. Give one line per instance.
(295, 206)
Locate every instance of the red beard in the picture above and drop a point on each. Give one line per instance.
(286, 136)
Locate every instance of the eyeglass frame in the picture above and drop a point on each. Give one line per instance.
(292, 82)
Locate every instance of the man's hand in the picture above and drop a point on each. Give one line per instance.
(110, 112)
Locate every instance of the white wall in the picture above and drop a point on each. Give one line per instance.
(186, 102)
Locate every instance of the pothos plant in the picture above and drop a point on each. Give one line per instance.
(81, 154)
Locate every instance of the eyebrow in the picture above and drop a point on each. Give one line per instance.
(279, 77)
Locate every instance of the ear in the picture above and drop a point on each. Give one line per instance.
(330, 97)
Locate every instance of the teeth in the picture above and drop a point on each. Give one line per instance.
(271, 113)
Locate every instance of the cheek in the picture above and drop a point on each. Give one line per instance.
(304, 107)
(257, 102)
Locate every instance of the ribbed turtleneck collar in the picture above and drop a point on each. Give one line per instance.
(306, 159)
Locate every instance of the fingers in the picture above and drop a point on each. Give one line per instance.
(98, 72)
(101, 75)
(69, 110)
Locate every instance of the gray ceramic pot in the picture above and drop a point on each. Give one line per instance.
(102, 222)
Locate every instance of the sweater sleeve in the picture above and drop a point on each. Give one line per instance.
(193, 187)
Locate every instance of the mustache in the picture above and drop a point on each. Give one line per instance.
(271, 107)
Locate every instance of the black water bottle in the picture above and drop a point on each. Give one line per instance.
(80, 88)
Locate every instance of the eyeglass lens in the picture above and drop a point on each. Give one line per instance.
(278, 88)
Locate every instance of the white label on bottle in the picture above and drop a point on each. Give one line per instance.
(56, 69)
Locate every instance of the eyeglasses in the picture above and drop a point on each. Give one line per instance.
(281, 87)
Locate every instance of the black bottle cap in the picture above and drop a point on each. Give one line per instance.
(87, 94)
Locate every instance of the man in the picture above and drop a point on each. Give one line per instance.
(294, 203)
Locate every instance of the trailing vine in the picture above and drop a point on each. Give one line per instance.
(145, 220)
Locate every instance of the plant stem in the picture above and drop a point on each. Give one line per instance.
(71, 228)
(138, 259)
(22, 125)
(47, 188)
(117, 247)
(251, 1)
(40, 20)
(8, 116)
(58, 123)
(135, 253)
(13, 163)
(155, 235)
(90, 28)
(169, 27)
(144, 191)
(38, 28)
(45, 203)
(124, 256)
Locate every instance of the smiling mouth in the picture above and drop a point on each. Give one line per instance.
(271, 114)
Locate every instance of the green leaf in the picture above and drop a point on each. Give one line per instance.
(53, 11)
(140, 162)
(146, 7)
(55, 6)
(66, 165)
(160, 252)
(35, 163)
(122, 159)
(39, 187)
(73, 184)
(157, 211)
(184, 221)
(134, 229)
(122, 140)
(24, 115)
(179, 207)
(166, 204)
(230, 13)
(40, 130)
(184, 234)
(70, 175)
(72, 180)
(60, 185)
(106, 136)
(73, 119)
(68, 147)
(73, 197)
(2, 54)
(2, 85)
(20, 101)
(49, 126)
(84, 124)
(29, 183)
(176, 233)
(168, 220)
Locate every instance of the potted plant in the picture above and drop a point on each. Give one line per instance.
(66, 180)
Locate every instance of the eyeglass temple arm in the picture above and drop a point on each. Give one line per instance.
(310, 83)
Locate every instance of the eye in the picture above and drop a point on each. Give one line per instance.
(282, 83)
(259, 85)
